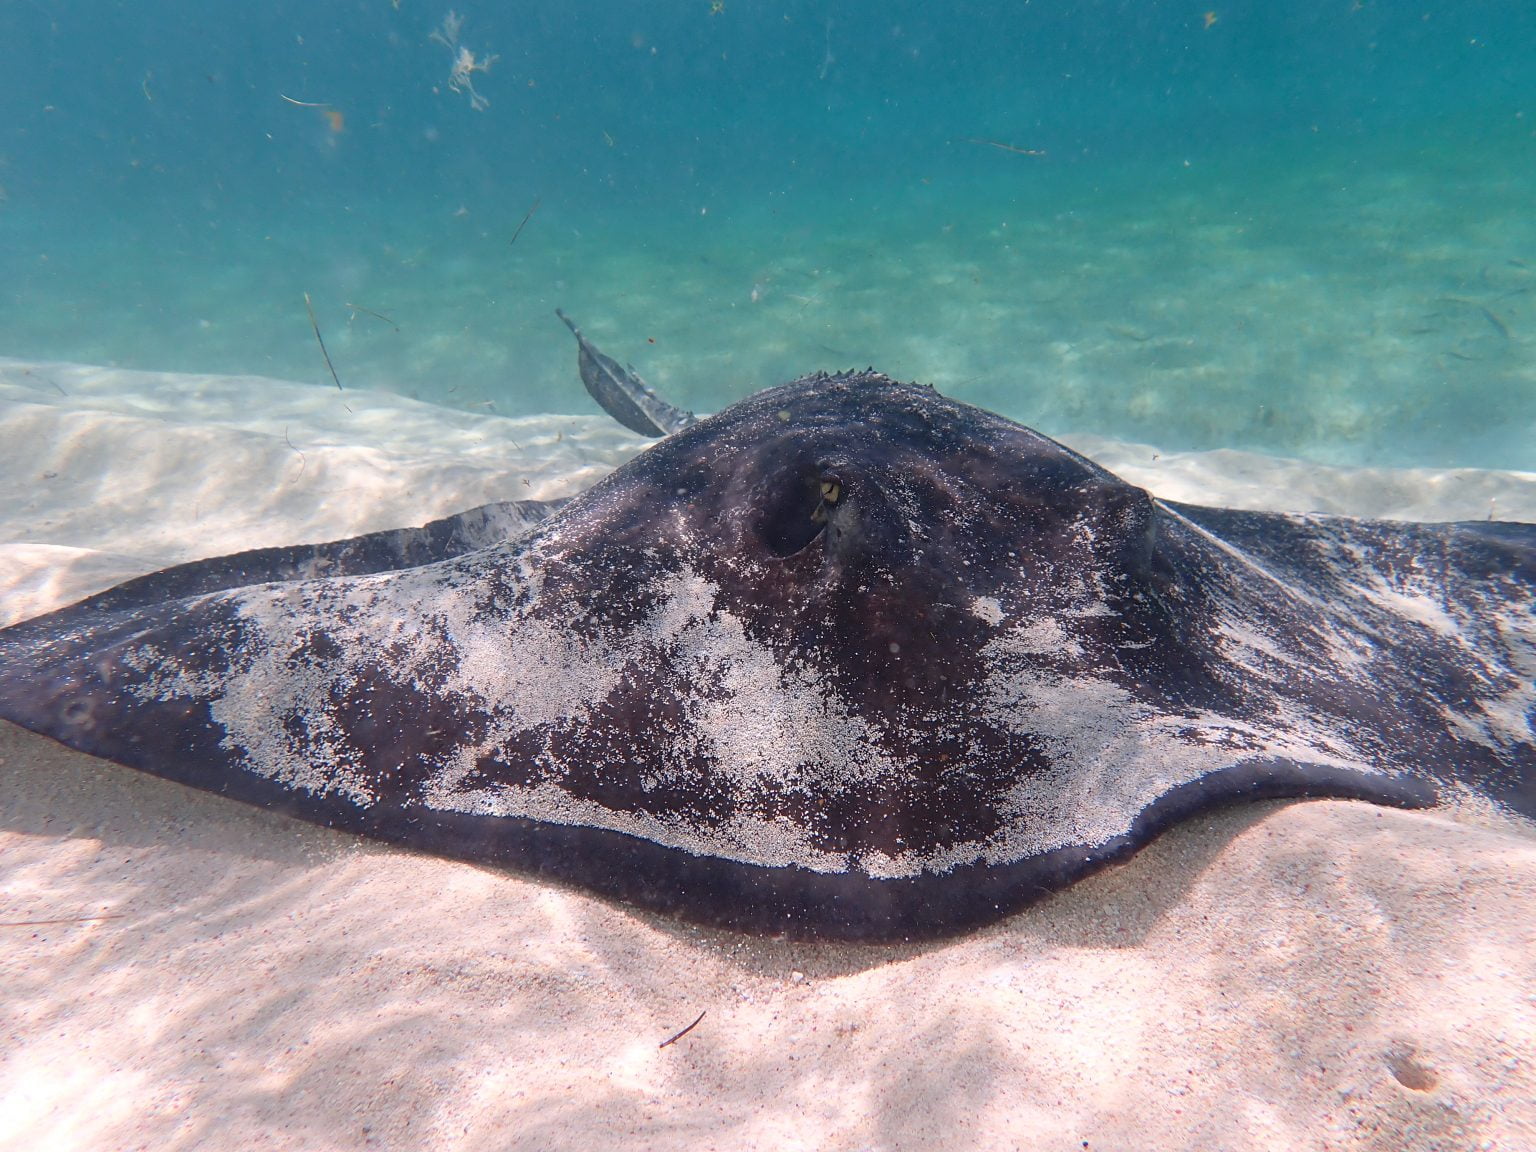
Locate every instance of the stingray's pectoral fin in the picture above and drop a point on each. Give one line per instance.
(622, 394)
(198, 691)
(133, 686)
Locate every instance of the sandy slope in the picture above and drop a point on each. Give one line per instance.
(1319, 975)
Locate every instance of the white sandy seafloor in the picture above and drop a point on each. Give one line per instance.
(178, 971)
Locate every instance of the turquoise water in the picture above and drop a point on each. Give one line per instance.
(1302, 228)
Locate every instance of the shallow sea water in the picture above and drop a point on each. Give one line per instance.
(1305, 233)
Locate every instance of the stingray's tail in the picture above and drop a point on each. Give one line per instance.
(622, 394)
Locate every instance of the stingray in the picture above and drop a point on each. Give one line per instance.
(848, 660)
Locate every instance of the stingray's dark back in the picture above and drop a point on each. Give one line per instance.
(848, 659)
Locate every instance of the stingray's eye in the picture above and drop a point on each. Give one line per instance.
(798, 512)
(830, 488)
